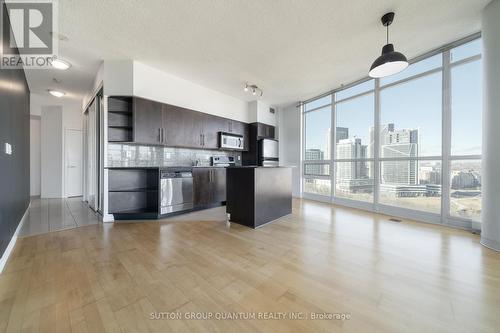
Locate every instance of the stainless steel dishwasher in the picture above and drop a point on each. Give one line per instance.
(176, 190)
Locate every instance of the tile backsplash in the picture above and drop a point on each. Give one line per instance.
(126, 155)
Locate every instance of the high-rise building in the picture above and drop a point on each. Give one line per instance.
(351, 149)
(401, 143)
(341, 134)
(314, 154)
(429, 175)
(465, 180)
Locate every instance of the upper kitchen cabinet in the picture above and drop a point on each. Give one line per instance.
(183, 127)
(148, 127)
(212, 126)
(237, 127)
(120, 123)
(265, 131)
(135, 119)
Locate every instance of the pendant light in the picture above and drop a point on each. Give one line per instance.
(390, 62)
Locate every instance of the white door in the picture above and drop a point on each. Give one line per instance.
(35, 157)
(73, 179)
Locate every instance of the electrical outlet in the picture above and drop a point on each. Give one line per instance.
(8, 148)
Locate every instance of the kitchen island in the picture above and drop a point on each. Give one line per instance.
(258, 195)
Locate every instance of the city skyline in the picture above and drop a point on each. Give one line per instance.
(396, 143)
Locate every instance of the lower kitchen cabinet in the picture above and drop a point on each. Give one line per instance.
(209, 187)
(218, 185)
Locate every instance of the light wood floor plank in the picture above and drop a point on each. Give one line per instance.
(388, 277)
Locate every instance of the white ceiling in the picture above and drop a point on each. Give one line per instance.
(293, 49)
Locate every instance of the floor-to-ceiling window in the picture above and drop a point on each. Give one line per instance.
(408, 144)
(316, 156)
(410, 137)
(465, 147)
(353, 158)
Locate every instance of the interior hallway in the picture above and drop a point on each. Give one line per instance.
(47, 215)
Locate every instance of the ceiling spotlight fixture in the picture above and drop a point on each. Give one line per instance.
(255, 90)
(390, 62)
(56, 93)
(60, 64)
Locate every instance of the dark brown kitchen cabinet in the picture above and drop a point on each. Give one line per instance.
(265, 131)
(218, 185)
(209, 187)
(157, 123)
(201, 187)
(212, 125)
(183, 127)
(237, 127)
(147, 121)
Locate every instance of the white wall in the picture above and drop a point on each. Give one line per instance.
(259, 112)
(51, 152)
(156, 85)
(98, 79)
(128, 77)
(118, 77)
(290, 144)
(490, 230)
(35, 166)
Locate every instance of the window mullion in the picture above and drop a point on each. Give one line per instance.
(333, 149)
(376, 146)
(446, 138)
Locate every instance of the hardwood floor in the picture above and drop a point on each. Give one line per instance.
(386, 276)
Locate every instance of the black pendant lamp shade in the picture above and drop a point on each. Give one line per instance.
(390, 62)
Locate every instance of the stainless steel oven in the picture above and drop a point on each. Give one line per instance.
(176, 190)
(230, 141)
(268, 152)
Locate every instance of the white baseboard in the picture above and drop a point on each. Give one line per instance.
(12, 243)
(108, 218)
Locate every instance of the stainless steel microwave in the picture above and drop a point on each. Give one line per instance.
(230, 141)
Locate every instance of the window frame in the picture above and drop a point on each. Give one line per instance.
(446, 158)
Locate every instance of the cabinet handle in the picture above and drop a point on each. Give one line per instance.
(159, 134)
(201, 143)
(203, 139)
(164, 130)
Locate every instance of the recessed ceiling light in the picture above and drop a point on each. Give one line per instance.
(60, 64)
(56, 93)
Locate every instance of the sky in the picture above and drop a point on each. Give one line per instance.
(414, 104)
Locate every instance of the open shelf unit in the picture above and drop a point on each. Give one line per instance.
(133, 193)
(120, 119)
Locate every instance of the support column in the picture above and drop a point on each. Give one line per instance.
(490, 230)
